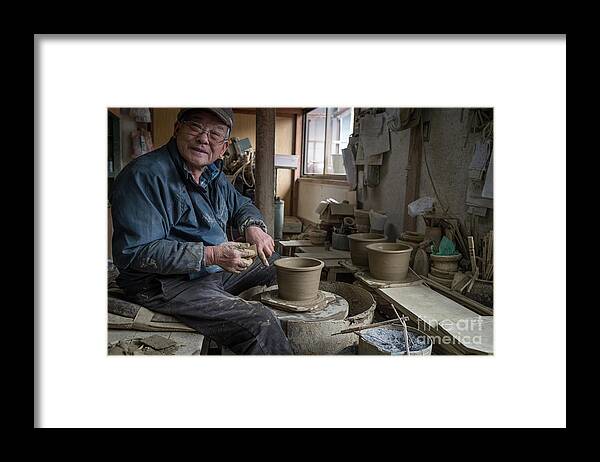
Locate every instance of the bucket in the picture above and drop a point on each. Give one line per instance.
(388, 260)
(389, 340)
(298, 277)
(340, 241)
(358, 246)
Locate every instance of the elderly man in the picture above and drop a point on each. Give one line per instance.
(171, 208)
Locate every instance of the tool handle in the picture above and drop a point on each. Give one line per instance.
(367, 326)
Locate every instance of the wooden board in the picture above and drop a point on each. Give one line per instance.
(311, 248)
(189, 343)
(335, 310)
(352, 267)
(373, 283)
(294, 243)
(325, 255)
(426, 306)
(479, 337)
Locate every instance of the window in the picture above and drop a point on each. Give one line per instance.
(327, 131)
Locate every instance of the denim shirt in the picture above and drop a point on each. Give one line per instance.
(162, 218)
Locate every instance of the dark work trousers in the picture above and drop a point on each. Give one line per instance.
(210, 306)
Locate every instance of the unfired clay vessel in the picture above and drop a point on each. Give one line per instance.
(298, 277)
(388, 260)
(317, 236)
(442, 274)
(446, 262)
(358, 246)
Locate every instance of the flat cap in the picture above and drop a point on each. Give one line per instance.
(225, 114)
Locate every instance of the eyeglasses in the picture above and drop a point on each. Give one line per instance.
(195, 129)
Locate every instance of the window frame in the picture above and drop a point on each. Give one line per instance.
(327, 146)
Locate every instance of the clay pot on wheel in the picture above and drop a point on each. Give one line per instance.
(389, 261)
(358, 246)
(298, 277)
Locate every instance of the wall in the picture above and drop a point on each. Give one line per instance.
(163, 120)
(448, 160)
(312, 191)
(388, 196)
(128, 126)
(244, 126)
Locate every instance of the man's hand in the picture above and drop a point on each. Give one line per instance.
(234, 257)
(264, 243)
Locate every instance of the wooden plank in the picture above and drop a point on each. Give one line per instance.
(311, 248)
(352, 267)
(427, 307)
(295, 243)
(367, 279)
(188, 342)
(465, 301)
(427, 304)
(326, 255)
(479, 337)
(334, 264)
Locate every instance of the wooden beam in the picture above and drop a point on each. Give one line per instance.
(289, 111)
(265, 165)
(244, 110)
(280, 111)
(297, 143)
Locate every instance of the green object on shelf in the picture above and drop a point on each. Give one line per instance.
(446, 247)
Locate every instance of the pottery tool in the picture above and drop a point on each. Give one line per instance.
(402, 320)
(367, 326)
(474, 267)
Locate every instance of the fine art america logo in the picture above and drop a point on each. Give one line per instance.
(471, 327)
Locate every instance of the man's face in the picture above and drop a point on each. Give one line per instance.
(197, 147)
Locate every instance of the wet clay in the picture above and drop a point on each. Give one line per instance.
(298, 277)
(389, 261)
(391, 340)
(358, 246)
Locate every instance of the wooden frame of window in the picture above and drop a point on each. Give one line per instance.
(327, 147)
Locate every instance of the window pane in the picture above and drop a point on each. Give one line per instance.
(315, 141)
(340, 129)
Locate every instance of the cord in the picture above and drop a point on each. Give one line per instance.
(428, 171)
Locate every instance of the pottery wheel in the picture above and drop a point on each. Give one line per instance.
(369, 279)
(335, 308)
(271, 297)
